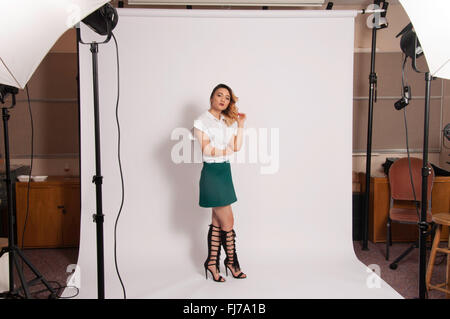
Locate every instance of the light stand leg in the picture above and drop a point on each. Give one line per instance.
(423, 226)
(12, 249)
(98, 179)
(22, 280)
(11, 218)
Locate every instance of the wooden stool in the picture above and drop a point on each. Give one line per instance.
(442, 219)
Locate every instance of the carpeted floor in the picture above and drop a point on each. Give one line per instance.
(405, 279)
(53, 263)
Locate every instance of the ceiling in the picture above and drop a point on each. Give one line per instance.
(358, 2)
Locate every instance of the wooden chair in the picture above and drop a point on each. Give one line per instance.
(401, 191)
(441, 219)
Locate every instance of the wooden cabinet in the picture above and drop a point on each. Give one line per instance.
(379, 207)
(53, 215)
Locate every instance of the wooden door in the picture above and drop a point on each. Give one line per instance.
(71, 215)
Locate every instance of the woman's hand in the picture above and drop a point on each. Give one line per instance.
(241, 119)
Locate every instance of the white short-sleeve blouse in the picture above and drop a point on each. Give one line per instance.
(218, 132)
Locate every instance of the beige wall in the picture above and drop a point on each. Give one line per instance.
(54, 103)
(54, 108)
(388, 127)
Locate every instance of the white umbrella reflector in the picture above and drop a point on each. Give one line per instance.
(30, 28)
(430, 21)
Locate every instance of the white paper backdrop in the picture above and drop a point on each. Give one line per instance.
(293, 74)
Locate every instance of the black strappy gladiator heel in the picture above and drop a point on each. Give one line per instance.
(213, 259)
(229, 245)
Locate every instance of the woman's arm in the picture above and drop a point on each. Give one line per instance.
(207, 148)
(236, 142)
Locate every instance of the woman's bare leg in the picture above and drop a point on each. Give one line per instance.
(224, 216)
(215, 220)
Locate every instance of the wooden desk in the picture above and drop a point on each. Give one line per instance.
(379, 207)
(54, 213)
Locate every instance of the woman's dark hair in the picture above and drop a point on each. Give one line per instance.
(231, 112)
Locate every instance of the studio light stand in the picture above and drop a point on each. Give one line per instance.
(103, 22)
(411, 48)
(423, 225)
(14, 252)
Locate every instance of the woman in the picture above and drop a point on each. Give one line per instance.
(219, 132)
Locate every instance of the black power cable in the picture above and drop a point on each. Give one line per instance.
(407, 145)
(121, 177)
(58, 293)
(120, 169)
(31, 169)
(60, 287)
(407, 142)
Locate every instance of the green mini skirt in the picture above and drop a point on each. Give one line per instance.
(216, 185)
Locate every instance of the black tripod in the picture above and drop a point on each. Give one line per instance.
(14, 252)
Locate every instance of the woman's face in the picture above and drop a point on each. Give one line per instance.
(220, 99)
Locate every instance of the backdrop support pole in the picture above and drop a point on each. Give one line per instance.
(372, 97)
